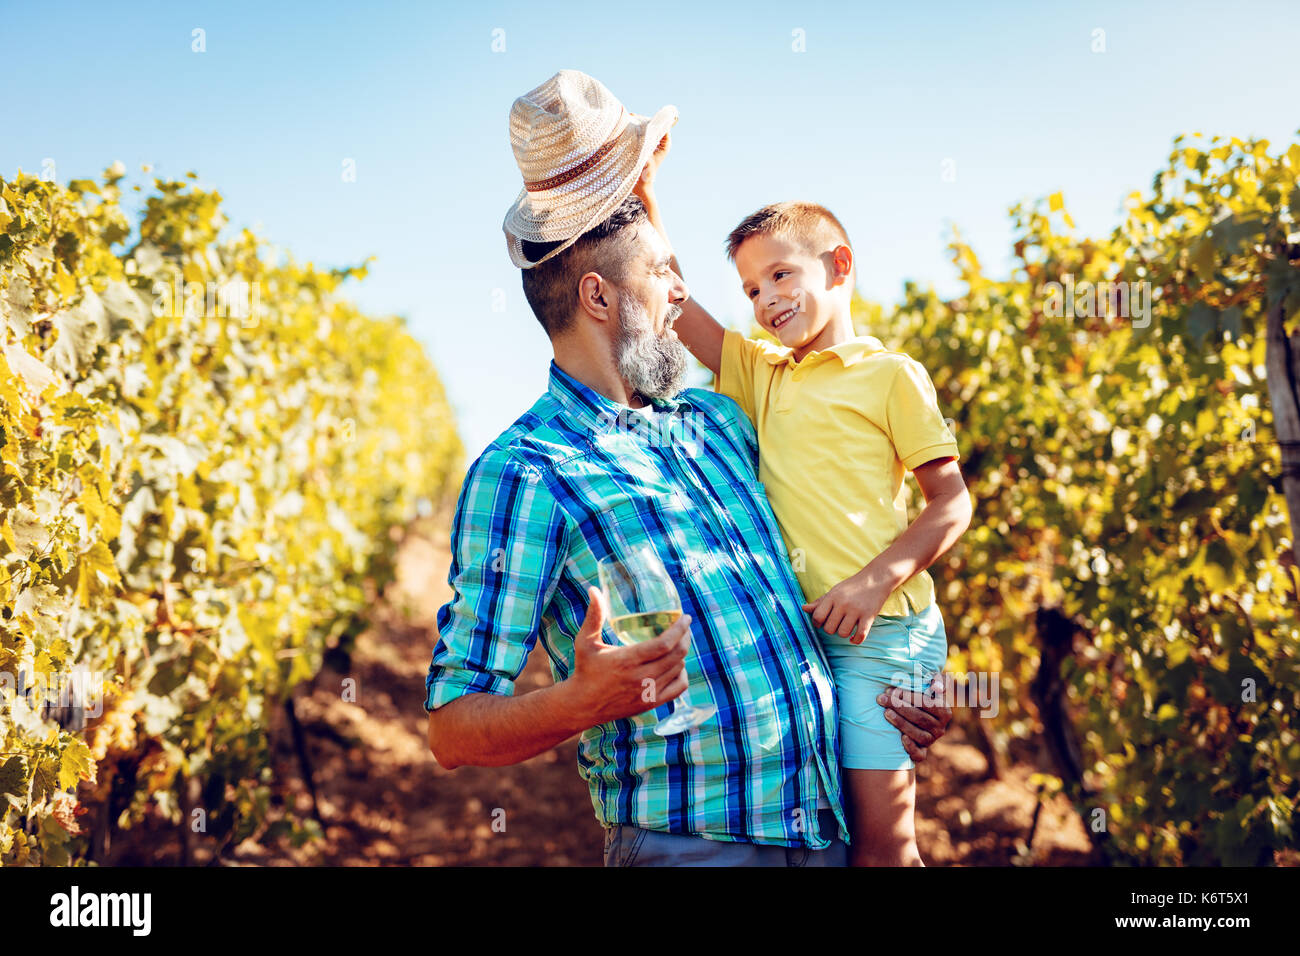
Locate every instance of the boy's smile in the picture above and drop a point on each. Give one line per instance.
(781, 280)
(785, 317)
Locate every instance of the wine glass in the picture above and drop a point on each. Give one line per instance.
(643, 603)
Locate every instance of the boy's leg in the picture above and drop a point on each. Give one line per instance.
(879, 776)
(882, 807)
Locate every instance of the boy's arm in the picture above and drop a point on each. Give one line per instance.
(699, 331)
(849, 608)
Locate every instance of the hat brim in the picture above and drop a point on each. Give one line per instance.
(529, 217)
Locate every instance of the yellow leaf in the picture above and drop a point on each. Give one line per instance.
(76, 763)
(34, 375)
(94, 507)
(111, 523)
(95, 561)
(1055, 202)
(67, 284)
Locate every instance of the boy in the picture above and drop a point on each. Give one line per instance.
(839, 419)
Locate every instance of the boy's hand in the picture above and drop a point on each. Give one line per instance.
(644, 188)
(849, 608)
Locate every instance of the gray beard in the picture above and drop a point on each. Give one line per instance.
(653, 366)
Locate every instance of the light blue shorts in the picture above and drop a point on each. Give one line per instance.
(904, 652)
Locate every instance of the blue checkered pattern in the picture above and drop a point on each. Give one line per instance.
(578, 478)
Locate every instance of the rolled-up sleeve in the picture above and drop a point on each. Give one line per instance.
(915, 424)
(507, 540)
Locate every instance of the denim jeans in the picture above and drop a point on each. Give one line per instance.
(627, 845)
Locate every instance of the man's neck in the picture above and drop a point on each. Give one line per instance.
(600, 377)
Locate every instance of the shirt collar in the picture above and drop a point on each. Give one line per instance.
(586, 406)
(849, 353)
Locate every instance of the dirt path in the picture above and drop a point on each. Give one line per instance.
(387, 801)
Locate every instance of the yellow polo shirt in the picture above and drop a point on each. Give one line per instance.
(835, 433)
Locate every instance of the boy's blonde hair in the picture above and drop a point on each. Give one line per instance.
(812, 226)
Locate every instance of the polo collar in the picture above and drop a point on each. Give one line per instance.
(585, 406)
(849, 353)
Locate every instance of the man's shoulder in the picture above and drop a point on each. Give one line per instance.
(722, 409)
(527, 441)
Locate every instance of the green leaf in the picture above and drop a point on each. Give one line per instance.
(13, 775)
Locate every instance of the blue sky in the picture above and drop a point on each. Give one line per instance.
(862, 120)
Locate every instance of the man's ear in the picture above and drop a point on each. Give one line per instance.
(596, 296)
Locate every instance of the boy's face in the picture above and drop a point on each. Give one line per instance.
(790, 290)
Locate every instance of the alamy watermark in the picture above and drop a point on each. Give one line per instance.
(78, 689)
(234, 298)
(974, 689)
(657, 428)
(1090, 300)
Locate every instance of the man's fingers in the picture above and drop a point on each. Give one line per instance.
(664, 645)
(937, 703)
(676, 687)
(912, 721)
(909, 733)
(848, 627)
(914, 750)
(671, 683)
(592, 623)
(666, 672)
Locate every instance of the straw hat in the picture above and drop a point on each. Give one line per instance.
(580, 152)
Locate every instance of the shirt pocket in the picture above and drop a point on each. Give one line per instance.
(661, 517)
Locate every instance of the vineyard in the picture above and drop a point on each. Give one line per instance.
(203, 453)
(1131, 573)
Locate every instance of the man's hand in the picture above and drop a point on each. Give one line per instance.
(609, 683)
(849, 608)
(922, 718)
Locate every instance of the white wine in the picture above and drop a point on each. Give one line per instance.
(635, 628)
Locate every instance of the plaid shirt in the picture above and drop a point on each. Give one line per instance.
(579, 477)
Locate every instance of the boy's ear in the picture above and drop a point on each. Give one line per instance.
(841, 262)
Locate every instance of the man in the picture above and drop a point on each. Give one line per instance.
(615, 455)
